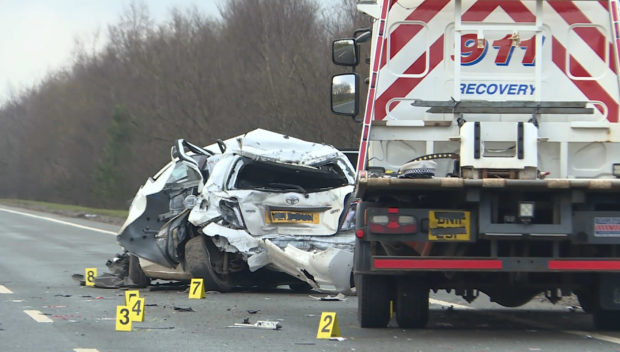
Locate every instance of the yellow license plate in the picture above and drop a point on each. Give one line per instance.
(448, 225)
(292, 217)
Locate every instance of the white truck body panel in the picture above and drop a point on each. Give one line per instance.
(489, 157)
(413, 61)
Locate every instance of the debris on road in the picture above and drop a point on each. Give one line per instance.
(169, 286)
(338, 297)
(183, 309)
(153, 328)
(261, 324)
(117, 278)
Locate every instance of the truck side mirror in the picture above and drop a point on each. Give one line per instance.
(344, 52)
(345, 94)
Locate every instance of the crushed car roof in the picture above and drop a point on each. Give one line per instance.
(274, 146)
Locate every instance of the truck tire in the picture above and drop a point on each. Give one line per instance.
(411, 304)
(606, 319)
(136, 274)
(200, 263)
(586, 301)
(373, 300)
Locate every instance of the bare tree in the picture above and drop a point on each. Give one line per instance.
(93, 133)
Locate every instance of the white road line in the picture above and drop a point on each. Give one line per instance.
(38, 316)
(593, 335)
(85, 350)
(5, 290)
(58, 221)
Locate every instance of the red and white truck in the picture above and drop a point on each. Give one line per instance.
(489, 154)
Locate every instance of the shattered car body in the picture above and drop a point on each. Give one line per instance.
(157, 220)
(265, 209)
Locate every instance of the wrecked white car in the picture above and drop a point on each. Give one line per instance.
(261, 209)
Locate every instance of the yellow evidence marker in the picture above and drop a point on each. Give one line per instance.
(123, 318)
(89, 276)
(197, 289)
(131, 294)
(136, 309)
(328, 326)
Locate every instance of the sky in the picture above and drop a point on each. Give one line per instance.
(38, 36)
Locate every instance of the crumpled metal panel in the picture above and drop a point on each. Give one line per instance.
(323, 262)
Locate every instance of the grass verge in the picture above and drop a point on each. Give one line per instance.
(105, 215)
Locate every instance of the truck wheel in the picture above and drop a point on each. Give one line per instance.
(586, 301)
(373, 300)
(200, 261)
(606, 319)
(411, 304)
(136, 274)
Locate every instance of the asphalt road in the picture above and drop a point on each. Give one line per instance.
(43, 309)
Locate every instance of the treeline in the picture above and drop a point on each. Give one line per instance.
(91, 134)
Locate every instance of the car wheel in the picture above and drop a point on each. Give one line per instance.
(136, 274)
(373, 300)
(411, 304)
(201, 258)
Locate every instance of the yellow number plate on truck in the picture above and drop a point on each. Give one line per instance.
(292, 217)
(447, 225)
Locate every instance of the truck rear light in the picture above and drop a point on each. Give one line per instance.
(406, 220)
(393, 223)
(359, 233)
(379, 219)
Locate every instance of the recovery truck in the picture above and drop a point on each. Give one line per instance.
(489, 154)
